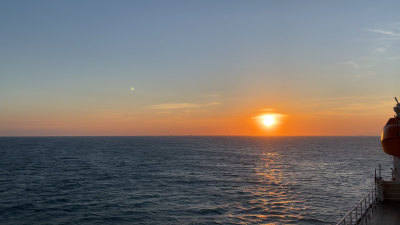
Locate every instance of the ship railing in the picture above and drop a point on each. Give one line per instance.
(361, 212)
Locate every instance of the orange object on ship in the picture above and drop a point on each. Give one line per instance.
(390, 139)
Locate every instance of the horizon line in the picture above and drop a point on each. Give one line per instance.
(16, 136)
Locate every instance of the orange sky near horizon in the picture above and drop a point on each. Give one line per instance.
(300, 119)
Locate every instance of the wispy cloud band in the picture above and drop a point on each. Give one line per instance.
(169, 106)
(384, 32)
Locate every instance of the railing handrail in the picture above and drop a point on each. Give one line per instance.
(372, 200)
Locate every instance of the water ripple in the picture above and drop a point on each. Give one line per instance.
(184, 180)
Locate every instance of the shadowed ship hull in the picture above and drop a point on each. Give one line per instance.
(390, 138)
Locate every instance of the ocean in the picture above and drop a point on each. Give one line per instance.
(185, 180)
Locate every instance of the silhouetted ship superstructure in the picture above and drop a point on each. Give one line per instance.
(382, 204)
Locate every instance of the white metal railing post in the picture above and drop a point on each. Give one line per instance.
(365, 204)
(356, 213)
(380, 168)
(355, 217)
(351, 218)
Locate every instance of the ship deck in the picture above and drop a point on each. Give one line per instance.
(387, 212)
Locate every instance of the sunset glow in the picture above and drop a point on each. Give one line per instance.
(268, 120)
(209, 112)
(199, 69)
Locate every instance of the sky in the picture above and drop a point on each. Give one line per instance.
(92, 67)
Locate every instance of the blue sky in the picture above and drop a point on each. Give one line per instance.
(60, 60)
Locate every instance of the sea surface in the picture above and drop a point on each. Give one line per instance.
(185, 180)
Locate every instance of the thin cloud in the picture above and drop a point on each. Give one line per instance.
(393, 58)
(385, 40)
(352, 99)
(353, 64)
(170, 106)
(214, 103)
(366, 74)
(213, 95)
(175, 106)
(352, 105)
(382, 50)
(384, 32)
(268, 109)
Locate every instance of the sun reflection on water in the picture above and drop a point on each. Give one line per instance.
(274, 197)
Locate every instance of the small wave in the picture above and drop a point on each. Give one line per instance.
(208, 211)
(143, 204)
(217, 211)
(18, 207)
(313, 221)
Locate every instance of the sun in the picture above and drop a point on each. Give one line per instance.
(268, 120)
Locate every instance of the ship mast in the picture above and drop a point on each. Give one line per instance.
(397, 108)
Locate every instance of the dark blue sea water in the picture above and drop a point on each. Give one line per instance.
(185, 180)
